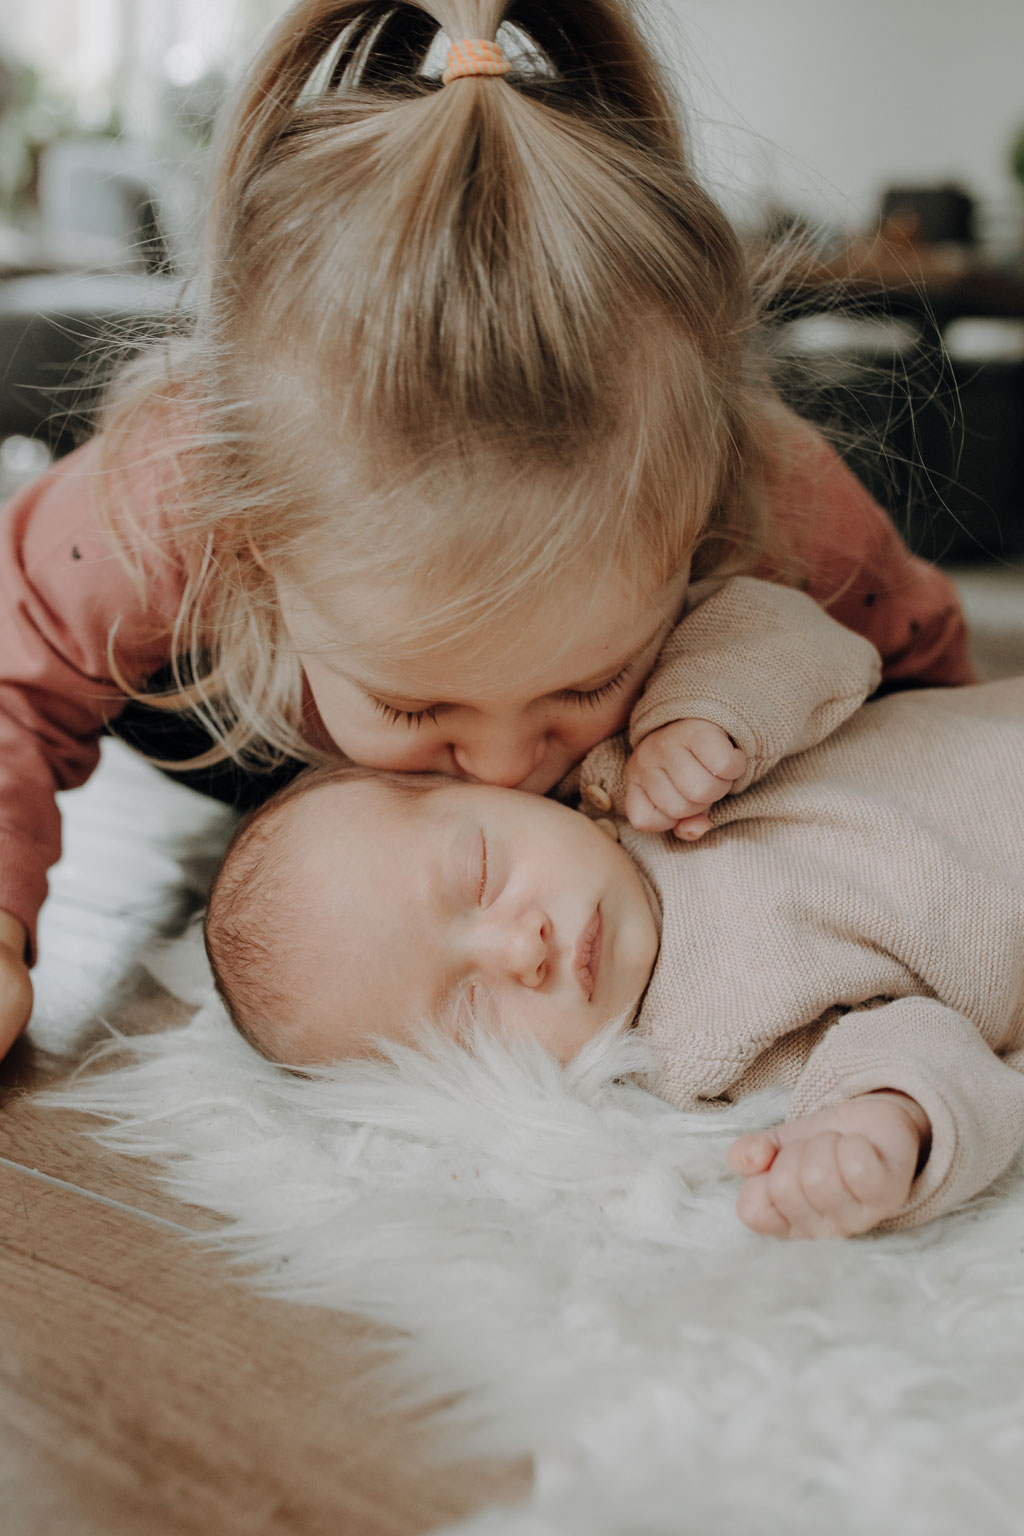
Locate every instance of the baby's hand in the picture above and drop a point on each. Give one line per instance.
(832, 1174)
(676, 773)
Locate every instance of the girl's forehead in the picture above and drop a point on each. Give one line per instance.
(577, 632)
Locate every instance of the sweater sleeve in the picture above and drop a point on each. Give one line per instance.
(856, 565)
(62, 587)
(973, 1095)
(767, 665)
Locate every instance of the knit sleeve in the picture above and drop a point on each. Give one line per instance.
(62, 587)
(767, 665)
(853, 561)
(973, 1095)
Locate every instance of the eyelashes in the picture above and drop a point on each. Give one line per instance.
(410, 717)
(592, 697)
(582, 698)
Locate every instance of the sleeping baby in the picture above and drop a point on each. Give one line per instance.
(852, 927)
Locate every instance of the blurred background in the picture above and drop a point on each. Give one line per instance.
(881, 145)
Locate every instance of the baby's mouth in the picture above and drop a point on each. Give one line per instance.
(586, 960)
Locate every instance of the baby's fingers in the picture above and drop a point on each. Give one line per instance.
(643, 813)
(690, 828)
(758, 1211)
(675, 774)
(806, 1190)
(674, 791)
(877, 1189)
(679, 782)
(753, 1153)
(831, 1185)
(714, 750)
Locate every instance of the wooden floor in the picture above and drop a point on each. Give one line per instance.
(143, 1390)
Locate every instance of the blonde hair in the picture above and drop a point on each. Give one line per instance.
(256, 907)
(454, 340)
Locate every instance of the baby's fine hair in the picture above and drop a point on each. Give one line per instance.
(257, 909)
(456, 340)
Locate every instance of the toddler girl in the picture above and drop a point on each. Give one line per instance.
(851, 929)
(473, 394)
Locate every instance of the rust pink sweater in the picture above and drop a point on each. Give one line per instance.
(62, 587)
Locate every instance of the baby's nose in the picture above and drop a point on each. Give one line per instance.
(520, 948)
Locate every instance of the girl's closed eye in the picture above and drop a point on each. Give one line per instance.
(410, 717)
(592, 697)
(584, 697)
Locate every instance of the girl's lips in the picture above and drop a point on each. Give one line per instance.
(586, 960)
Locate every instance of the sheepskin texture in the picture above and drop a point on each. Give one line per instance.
(559, 1255)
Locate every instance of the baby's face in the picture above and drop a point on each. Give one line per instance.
(518, 905)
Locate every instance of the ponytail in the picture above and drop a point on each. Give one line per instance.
(267, 97)
(470, 254)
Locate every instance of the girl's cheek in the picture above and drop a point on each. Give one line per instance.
(380, 745)
(583, 729)
(357, 730)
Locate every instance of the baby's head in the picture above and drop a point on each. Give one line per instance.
(359, 905)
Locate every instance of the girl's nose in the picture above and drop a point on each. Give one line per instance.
(504, 758)
(516, 948)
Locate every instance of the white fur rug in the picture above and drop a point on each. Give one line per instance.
(559, 1251)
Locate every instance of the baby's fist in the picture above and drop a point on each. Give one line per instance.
(676, 773)
(836, 1173)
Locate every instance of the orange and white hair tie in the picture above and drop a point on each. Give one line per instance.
(474, 56)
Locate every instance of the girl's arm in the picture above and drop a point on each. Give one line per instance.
(15, 985)
(852, 561)
(62, 587)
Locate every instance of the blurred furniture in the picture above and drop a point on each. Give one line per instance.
(932, 422)
(22, 254)
(911, 355)
(93, 283)
(60, 336)
(985, 469)
(930, 215)
(106, 203)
